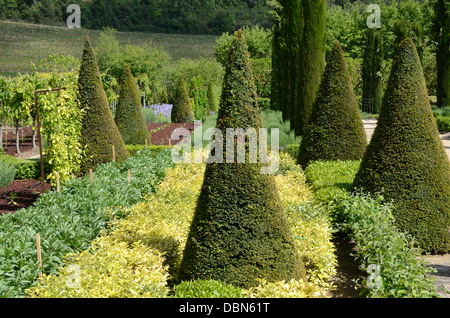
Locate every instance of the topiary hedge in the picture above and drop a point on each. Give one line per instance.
(182, 108)
(406, 158)
(99, 131)
(336, 130)
(129, 114)
(240, 232)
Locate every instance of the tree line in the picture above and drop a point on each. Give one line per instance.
(164, 16)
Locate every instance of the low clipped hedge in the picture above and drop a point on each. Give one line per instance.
(68, 221)
(394, 264)
(160, 226)
(26, 168)
(443, 123)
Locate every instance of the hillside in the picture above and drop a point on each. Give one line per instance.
(23, 44)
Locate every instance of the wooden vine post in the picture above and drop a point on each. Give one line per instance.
(39, 255)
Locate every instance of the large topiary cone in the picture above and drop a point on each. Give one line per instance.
(99, 131)
(406, 157)
(239, 232)
(182, 108)
(129, 115)
(336, 130)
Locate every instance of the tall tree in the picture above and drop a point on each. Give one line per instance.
(310, 62)
(240, 232)
(99, 131)
(442, 38)
(406, 159)
(372, 69)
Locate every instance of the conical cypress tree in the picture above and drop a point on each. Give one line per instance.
(129, 115)
(441, 31)
(99, 131)
(310, 62)
(371, 70)
(406, 158)
(239, 232)
(212, 106)
(182, 108)
(336, 130)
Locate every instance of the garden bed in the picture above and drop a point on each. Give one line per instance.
(20, 194)
(161, 133)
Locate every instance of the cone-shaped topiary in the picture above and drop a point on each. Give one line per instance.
(182, 108)
(406, 158)
(129, 114)
(239, 232)
(99, 131)
(336, 130)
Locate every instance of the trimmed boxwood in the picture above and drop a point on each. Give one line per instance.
(336, 130)
(129, 114)
(406, 158)
(240, 232)
(182, 108)
(99, 131)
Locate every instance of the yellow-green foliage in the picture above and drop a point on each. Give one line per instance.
(157, 230)
(110, 269)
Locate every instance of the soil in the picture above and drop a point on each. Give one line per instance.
(20, 194)
(348, 274)
(163, 132)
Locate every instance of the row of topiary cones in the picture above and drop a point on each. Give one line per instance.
(100, 129)
(405, 161)
(239, 232)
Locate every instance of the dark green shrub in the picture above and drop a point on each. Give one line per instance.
(129, 114)
(7, 173)
(99, 131)
(443, 123)
(182, 109)
(239, 232)
(406, 158)
(336, 130)
(264, 103)
(133, 149)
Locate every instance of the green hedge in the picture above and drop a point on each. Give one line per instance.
(26, 168)
(443, 123)
(155, 149)
(69, 220)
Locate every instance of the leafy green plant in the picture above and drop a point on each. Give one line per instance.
(400, 269)
(69, 220)
(7, 173)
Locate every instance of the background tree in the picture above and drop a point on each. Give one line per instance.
(129, 115)
(99, 131)
(239, 232)
(406, 159)
(311, 62)
(372, 69)
(442, 38)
